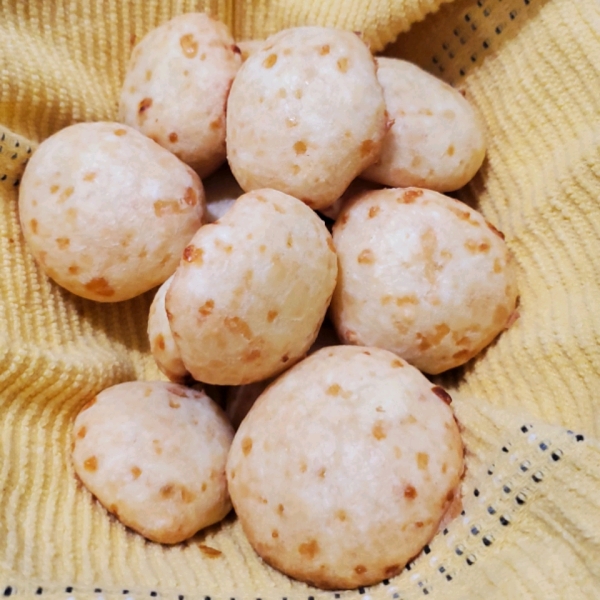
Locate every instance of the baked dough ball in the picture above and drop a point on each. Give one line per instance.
(422, 275)
(305, 114)
(176, 86)
(221, 190)
(154, 454)
(436, 141)
(240, 399)
(106, 212)
(252, 290)
(162, 345)
(344, 467)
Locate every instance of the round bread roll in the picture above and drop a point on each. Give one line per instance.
(240, 399)
(154, 455)
(176, 86)
(106, 212)
(305, 114)
(436, 141)
(344, 467)
(162, 345)
(422, 275)
(262, 316)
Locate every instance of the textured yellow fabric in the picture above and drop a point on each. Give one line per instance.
(531, 522)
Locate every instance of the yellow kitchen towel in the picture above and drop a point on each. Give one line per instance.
(531, 521)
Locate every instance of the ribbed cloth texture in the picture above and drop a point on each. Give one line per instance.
(528, 407)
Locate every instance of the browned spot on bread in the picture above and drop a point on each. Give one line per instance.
(207, 308)
(63, 243)
(410, 196)
(157, 447)
(291, 122)
(309, 549)
(341, 515)
(450, 496)
(82, 431)
(450, 151)
(272, 315)
(100, 286)
(114, 509)
(477, 247)
(189, 45)
(392, 570)
(166, 491)
(136, 472)
(251, 355)
(410, 492)
(282, 93)
(373, 211)
(285, 358)
(159, 341)
(173, 403)
(238, 326)
(209, 552)
(191, 254)
(280, 509)
(300, 147)
(54, 188)
(334, 389)
(497, 265)
(279, 209)
(442, 394)
(290, 240)
(324, 49)
(494, 230)
(500, 315)
(270, 61)
(425, 111)
(90, 464)
(216, 124)
(342, 64)
(367, 147)
(90, 403)
(143, 106)
(71, 214)
(416, 161)
(204, 486)
(120, 132)
(378, 431)
(295, 169)
(247, 446)
(422, 460)
(187, 496)
(366, 257)
(462, 355)
(444, 467)
(88, 177)
(423, 342)
(419, 524)
(321, 472)
(274, 534)
(402, 300)
(148, 75)
(397, 452)
(33, 224)
(173, 137)
(167, 207)
(203, 56)
(298, 94)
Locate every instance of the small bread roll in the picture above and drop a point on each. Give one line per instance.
(422, 275)
(262, 316)
(176, 88)
(344, 467)
(305, 114)
(436, 141)
(162, 344)
(154, 454)
(106, 212)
